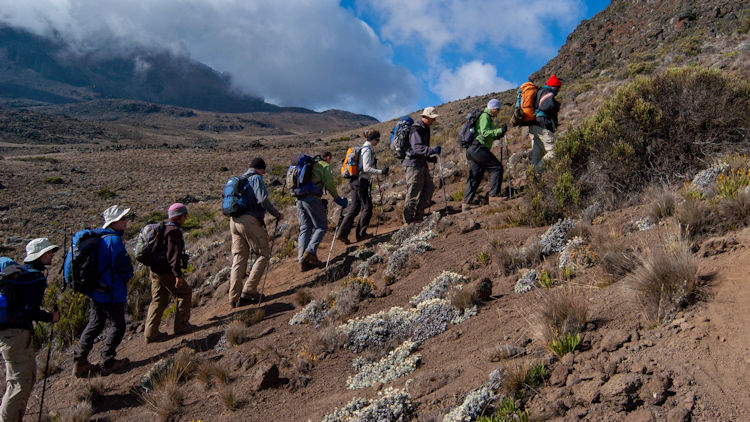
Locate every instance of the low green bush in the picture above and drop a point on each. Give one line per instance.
(55, 180)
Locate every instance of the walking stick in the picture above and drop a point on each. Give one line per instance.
(510, 179)
(46, 366)
(442, 182)
(380, 211)
(335, 234)
(270, 252)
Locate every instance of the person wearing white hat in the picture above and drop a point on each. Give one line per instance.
(419, 185)
(116, 270)
(480, 156)
(15, 336)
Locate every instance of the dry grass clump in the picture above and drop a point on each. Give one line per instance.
(464, 299)
(694, 215)
(510, 258)
(165, 399)
(520, 377)
(252, 317)
(616, 257)
(662, 203)
(302, 297)
(208, 371)
(93, 391)
(228, 399)
(237, 333)
(79, 412)
(733, 214)
(666, 279)
(327, 340)
(560, 312)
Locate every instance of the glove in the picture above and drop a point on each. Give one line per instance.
(385, 171)
(436, 150)
(504, 128)
(432, 159)
(342, 202)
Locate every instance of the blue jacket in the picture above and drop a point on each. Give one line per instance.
(257, 196)
(115, 268)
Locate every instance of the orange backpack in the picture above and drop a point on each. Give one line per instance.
(525, 105)
(351, 162)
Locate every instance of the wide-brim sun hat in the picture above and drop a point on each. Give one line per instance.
(112, 214)
(430, 112)
(38, 247)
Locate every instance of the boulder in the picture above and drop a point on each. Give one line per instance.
(266, 376)
(621, 390)
(614, 339)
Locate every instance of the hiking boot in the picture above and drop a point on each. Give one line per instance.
(312, 260)
(156, 338)
(248, 299)
(344, 240)
(85, 369)
(187, 328)
(364, 237)
(466, 207)
(114, 365)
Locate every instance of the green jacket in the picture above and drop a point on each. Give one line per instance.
(322, 177)
(487, 132)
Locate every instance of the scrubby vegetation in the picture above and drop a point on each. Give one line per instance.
(654, 130)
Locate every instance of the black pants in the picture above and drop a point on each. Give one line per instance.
(361, 199)
(481, 159)
(99, 313)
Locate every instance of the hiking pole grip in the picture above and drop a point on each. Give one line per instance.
(268, 264)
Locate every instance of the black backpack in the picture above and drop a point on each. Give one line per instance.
(21, 290)
(467, 134)
(400, 137)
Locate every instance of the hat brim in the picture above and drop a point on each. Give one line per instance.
(33, 257)
(118, 217)
(431, 116)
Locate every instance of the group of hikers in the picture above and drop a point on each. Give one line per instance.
(246, 201)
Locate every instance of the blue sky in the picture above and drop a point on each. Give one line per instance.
(377, 57)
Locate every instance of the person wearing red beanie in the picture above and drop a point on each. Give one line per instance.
(542, 129)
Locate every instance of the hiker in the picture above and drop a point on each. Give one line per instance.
(312, 211)
(15, 336)
(249, 234)
(419, 185)
(542, 129)
(108, 303)
(167, 278)
(361, 187)
(480, 156)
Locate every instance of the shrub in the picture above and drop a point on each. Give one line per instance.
(635, 139)
(139, 293)
(731, 182)
(74, 315)
(565, 344)
(287, 250)
(560, 312)
(483, 258)
(55, 180)
(191, 223)
(457, 196)
(666, 279)
(508, 412)
(545, 280)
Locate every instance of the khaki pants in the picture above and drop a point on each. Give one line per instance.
(419, 189)
(162, 285)
(542, 145)
(248, 235)
(20, 372)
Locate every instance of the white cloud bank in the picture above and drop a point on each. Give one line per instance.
(297, 53)
(474, 78)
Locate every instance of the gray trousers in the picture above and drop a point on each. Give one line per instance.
(419, 189)
(313, 224)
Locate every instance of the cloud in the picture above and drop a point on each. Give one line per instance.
(466, 24)
(474, 78)
(297, 53)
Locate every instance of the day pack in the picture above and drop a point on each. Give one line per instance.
(467, 133)
(20, 287)
(81, 268)
(149, 245)
(233, 202)
(350, 168)
(299, 177)
(524, 113)
(400, 137)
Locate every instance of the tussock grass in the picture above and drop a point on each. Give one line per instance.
(559, 312)
(302, 297)
(662, 204)
(522, 376)
(165, 399)
(79, 412)
(228, 399)
(237, 333)
(616, 257)
(464, 299)
(252, 317)
(208, 372)
(509, 258)
(93, 391)
(666, 279)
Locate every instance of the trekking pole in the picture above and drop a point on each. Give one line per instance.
(380, 211)
(46, 366)
(335, 234)
(270, 252)
(510, 179)
(442, 182)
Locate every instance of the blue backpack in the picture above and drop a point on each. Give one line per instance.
(81, 267)
(234, 201)
(400, 137)
(299, 177)
(21, 290)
